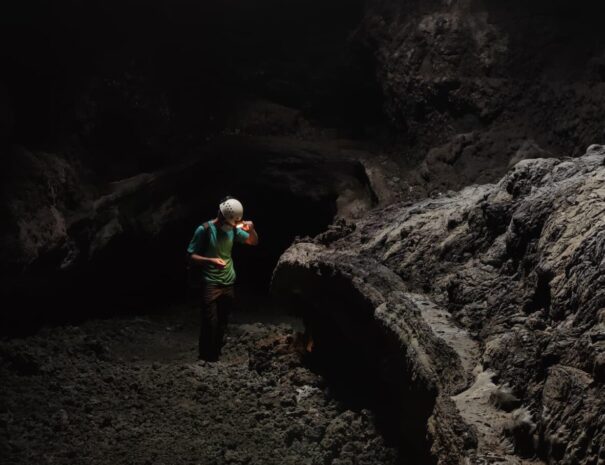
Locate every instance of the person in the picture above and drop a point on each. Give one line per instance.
(210, 253)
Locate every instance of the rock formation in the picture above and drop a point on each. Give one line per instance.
(471, 86)
(473, 304)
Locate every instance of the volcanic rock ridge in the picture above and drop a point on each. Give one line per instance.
(483, 309)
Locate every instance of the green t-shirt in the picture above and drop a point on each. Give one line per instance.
(220, 244)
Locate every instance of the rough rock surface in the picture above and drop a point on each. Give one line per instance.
(492, 295)
(472, 86)
(127, 391)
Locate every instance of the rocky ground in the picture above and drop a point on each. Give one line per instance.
(130, 391)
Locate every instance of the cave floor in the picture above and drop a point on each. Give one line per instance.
(130, 391)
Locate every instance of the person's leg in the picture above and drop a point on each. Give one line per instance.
(209, 325)
(226, 302)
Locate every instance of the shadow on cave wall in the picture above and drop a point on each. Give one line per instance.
(363, 362)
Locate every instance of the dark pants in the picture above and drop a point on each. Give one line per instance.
(217, 303)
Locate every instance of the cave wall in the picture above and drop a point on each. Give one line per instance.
(471, 87)
(457, 90)
(519, 266)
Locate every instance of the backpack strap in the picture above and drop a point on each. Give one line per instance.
(205, 242)
(194, 277)
(206, 238)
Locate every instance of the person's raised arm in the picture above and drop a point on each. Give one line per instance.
(252, 234)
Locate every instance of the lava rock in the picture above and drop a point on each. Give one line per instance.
(504, 399)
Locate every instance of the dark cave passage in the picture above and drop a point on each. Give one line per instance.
(116, 102)
(441, 147)
(137, 274)
(128, 255)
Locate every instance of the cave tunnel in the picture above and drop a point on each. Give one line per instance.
(138, 274)
(123, 124)
(288, 191)
(118, 100)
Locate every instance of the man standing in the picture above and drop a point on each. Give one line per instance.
(210, 252)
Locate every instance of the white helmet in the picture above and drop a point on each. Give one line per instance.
(232, 210)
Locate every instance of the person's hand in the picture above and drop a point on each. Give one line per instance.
(248, 225)
(219, 262)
